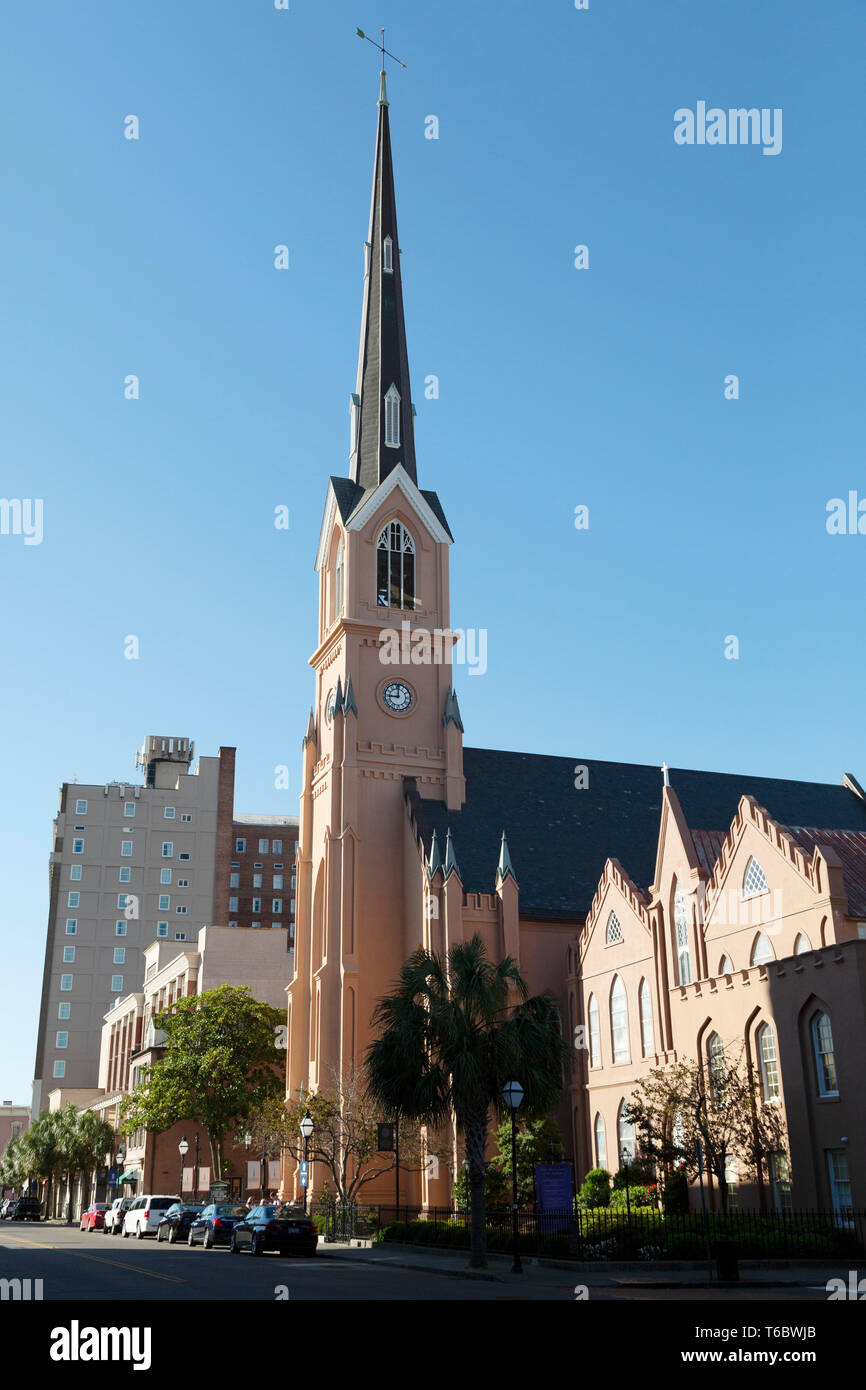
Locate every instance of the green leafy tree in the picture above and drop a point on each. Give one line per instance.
(450, 1036)
(677, 1109)
(538, 1141)
(220, 1065)
(595, 1189)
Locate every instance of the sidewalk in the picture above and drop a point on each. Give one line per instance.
(565, 1274)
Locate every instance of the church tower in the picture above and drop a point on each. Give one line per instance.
(384, 708)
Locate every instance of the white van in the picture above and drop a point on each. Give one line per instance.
(145, 1214)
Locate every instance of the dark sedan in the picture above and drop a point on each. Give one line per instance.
(174, 1225)
(214, 1225)
(24, 1209)
(286, 1229)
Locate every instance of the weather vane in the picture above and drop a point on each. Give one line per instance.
(381, 47)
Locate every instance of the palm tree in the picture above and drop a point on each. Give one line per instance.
(452, 1033)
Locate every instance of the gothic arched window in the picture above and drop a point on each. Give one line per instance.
(716, 1053)
(600, 1143)
(801, 945)
(770, 1084)
(681, 927)
(338, 580)
(388, 256)
(613, 932)
(395, 567)
(754, 880)
(594, 1032)
(392, 417)
(619, 1021)
(762, 951)
(625, 1135)
(825, 1055)
(646, 1019)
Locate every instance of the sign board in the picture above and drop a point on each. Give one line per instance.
(554, 1194)
(203, 1179)
(384, 1138)
(188, 1175)
(254, 1173)
(219, 1191)
(303, 1174)
(273, 1173)
(112, 1177)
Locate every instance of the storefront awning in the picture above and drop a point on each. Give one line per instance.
(131, 1175)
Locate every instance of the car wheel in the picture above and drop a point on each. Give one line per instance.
(172, 1235)
(189, 1240)
(207, 1242)
(234, 1248)
(257, 1246)
(159, 1235)
(139, 1232)
(124, 1233)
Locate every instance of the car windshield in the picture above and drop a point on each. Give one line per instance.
(224, 1210)
(189, 1208)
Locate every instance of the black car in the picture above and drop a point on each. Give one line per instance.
(286, 1229)
(175, 1223)
(214, 1225)
(24, 1209)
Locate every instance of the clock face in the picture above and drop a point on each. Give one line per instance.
(329, 706)
(398, 696)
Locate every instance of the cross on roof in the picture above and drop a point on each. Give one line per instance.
(381, 47)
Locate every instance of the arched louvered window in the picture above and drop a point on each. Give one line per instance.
(726, 966)
(716, 1054)
(681, 929)
(825, 1055)
(600, 1143)
(754, 881)
(613, 932)
(392, 417)
(594, 1032)
(338, 580)
(395, 567)
(619, 1021)
(770, 1084)
(762, 951)
(388, 256)
(646, 1019)
(625, 1135)
(801, 945)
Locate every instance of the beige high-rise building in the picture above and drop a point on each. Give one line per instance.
(131, 863)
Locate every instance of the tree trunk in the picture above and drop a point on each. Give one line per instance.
(215, 1141)
(476, 1144)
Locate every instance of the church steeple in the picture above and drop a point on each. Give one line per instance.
(383, 427)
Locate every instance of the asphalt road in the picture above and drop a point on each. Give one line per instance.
(74, 1265)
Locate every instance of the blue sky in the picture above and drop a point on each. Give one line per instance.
(558, 387)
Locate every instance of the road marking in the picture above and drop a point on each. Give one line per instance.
(98, 1259)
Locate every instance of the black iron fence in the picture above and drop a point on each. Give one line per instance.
(643, 1233)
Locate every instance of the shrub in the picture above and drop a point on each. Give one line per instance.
(632, 1175)
(595, 1189)
(637, 1197)
(675, 1193)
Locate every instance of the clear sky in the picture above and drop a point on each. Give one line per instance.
(559, 387)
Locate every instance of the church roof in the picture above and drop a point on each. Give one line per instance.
(350, 495)
(559, 837)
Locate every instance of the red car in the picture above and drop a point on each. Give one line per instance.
(94, 1218)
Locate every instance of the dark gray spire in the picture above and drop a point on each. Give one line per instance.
(383, 362)
(349, 699)
(452, 710)
(505, 866)
(435, 863)
(451, 866)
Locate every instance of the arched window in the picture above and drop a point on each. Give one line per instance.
(600, 1143)
(646, 1019)
(625, 1135)
(681, 926)
(678, 1133)
(392, 417)
(388, 256)
(716, 1054)
(801, 945)
(825, 1055)
(762, 951)
(613, 932)
(726, 966)
(338, 580)
(594, 1032)
(395, 567)
(754, 881)
(619, 1021)
(770, 1083)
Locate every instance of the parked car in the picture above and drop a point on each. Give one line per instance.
(4, 1206)
(174, 1223)
(214, 1225)
(285, 1228)
(24, 1209)
(115, 1214)
(93, 1218)
(145, 1214)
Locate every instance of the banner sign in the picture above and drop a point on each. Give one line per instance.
(554, 1194)
(273, 1172)
(187, 1180)
(254, 1173)
(384, 1138)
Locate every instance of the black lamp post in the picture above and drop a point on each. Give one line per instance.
(183, 1150)
(264, 1171)
(624, 1162)
(306, 1130)
(512, 1094)
(248, 1139)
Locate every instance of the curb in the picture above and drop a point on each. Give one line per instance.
(482, 1274)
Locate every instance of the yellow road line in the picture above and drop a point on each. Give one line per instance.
(99, 1259)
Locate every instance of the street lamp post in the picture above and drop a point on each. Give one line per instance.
(306, 1131)
(264, 1170)
(195, 1194)
(624, 1162)
(248, 1139)
(512, 1094)
(183, 1150)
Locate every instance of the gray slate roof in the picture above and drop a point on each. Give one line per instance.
(559, 837)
